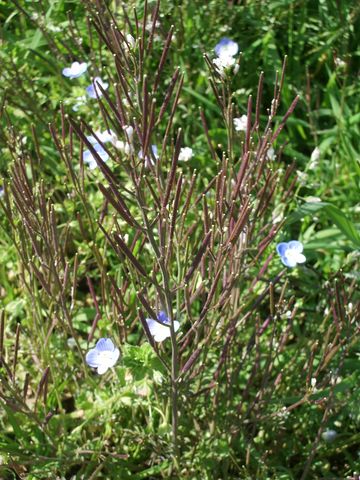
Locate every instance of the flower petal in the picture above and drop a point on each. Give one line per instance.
(155, 326)
(300, 258)
(114, 357)
(157, 330)
(106, 136)
(87, 156)
(295, 245)
(93, 358)
(163, 318)
(91, 139)
(227, 47)
(92, 164)
(104, 344)
(66, 72)
(161, 335)
(102, 369)
(288, 262)
(281, 248)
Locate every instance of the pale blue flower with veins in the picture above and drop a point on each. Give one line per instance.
(160, 329)
(75, 71)
(291, 253)
(103, 356)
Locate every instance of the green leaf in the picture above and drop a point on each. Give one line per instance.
(202, 99)
(340, 220)
(333, 213)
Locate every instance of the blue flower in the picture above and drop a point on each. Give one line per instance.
(329, 435)
(226, 48)
(94, 89)
(291, 253)
(88, 157)
(75, 71)
(161, 330)
(103, 356)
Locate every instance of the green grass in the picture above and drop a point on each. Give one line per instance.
(247, 405)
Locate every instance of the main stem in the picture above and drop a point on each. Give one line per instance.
(174, 363)
(174, 347)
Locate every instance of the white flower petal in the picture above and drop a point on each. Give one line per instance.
(129, 131)
(130, 40)
(161, 335)
(185, 154)
(102, 369)
(157, 329)
(315, 155)
(92, 164)
(288, 261)
(300, 258)
(240, 123)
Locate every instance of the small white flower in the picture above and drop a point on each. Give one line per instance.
(130, 40)
(105, 136)
(75, 71)
(54, 28)
(120, 145)
(161, 331)
(315, 156)
(329, 435)
(240, 124)
(129, 132)
(302, 177)
(128, 149)
(149, 25)
(339, 62)
(312, 199)
(71, 343)
(103, 356)
(224, 63)
(80, 102)
(270, 154)
(124, 147)
(186, 154)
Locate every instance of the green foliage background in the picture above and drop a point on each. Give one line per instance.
(118, 426)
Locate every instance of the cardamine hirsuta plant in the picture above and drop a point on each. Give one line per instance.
(168, 255)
